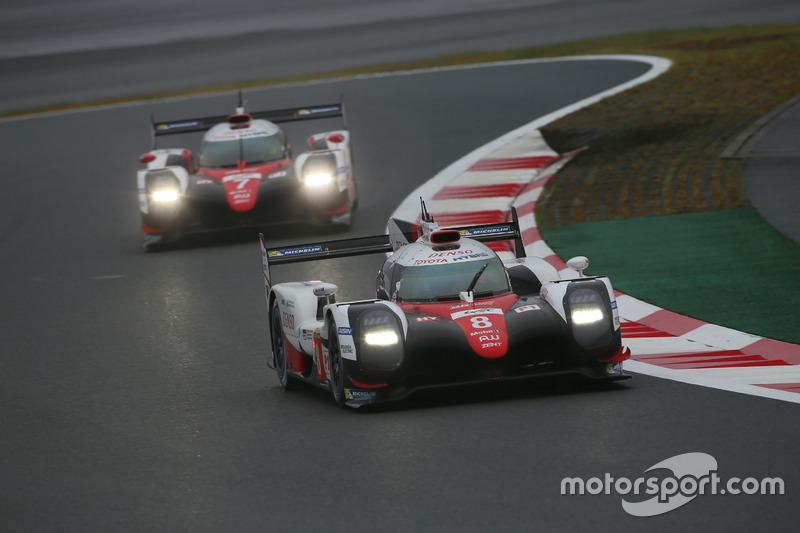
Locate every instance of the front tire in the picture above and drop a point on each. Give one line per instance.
(279, 350)
(337, 366)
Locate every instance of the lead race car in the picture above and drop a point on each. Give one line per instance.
(447, 311)
(244, 174)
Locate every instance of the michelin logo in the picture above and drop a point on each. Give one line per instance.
(486, 231)
(355, 394)
(312, 110)
(295, 251)
(173, 125)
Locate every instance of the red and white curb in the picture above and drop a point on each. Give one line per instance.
(512, 170)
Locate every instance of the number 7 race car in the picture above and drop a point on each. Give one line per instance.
(448, 311)
(244, 174)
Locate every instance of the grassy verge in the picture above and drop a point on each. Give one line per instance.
(654, 150)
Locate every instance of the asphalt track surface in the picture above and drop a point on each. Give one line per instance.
(135, 396)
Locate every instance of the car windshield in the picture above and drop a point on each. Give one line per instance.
(429, 283)
(254, 150)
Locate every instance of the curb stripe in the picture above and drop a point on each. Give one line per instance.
(510, 190)
(510, 163)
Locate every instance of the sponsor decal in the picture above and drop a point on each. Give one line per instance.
(313, 110)
(174, 125)
(485, 332)
(491, 345)
(288, 320)
(473, 312)
(205, 182)
(614, 304)
(295, 251)
(486, 231)
(523, 308)
(471, 256)
(278, 174)
(427, 318)
(345, 331)
(308, 335)
(612, 369)
(459, 306)
(356, 394)
(346, 348)
(232, 135)
(451, 253)
(449, 257)
(418, 262)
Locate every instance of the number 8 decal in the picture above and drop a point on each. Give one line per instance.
(480, 322)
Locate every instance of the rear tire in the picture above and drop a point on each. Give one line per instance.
(279, 350)
(337, 376)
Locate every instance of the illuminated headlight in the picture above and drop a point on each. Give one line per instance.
(381, 347)
(381, 338)
(590, 317)
(163, 186)
(586, 316)
(315, 180)
(165, 196)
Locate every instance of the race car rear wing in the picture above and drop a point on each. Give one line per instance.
(277, 115)
(401, 233)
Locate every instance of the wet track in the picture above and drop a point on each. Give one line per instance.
(134, 393)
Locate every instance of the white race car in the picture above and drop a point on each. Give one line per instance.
(448, 311)
(244, 174)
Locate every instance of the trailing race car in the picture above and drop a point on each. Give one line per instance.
(244, 174)
(448, 311)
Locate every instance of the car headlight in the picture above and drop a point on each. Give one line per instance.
(317, 179)
(586, 315)
(590, 317)
(169, 195)
(381, 341)
(381, 338)
(163, 186)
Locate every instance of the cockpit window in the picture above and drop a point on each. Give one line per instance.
(253, 150)
(433, 283)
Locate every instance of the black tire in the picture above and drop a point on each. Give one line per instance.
(337, 376)
(279, 350)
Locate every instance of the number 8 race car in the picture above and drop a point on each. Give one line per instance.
(448, 311)
(244, 174)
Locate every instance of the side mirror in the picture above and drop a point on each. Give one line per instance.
(579, 263)
(325, 289)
